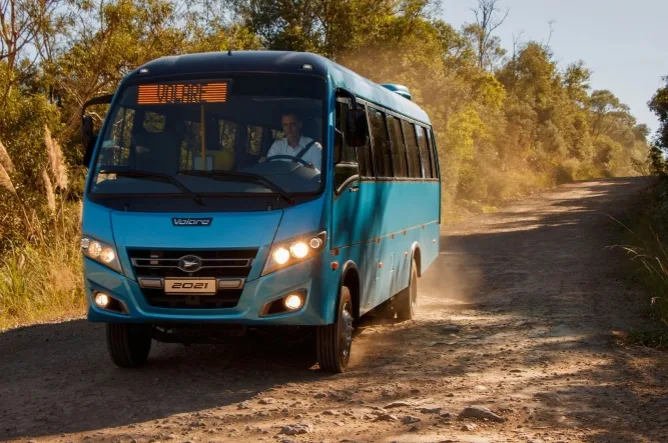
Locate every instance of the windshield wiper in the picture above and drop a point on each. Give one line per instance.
(219, 174)
(136, 173)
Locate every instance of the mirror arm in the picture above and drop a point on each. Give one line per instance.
(346, 183)
(347, 94)
(101, 100)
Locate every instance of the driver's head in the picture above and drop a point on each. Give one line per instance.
(292, 126)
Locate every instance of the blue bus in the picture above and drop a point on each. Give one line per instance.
(238, 190)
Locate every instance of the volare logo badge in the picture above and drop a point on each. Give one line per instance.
(192, 221)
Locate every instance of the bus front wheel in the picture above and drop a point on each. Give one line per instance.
(333, 342)
(406, 300)
(128, 344)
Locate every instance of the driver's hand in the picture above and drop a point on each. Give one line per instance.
(311, 166)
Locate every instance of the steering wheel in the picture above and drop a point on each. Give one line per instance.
(288, 157)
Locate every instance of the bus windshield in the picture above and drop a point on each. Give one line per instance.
(237, 134)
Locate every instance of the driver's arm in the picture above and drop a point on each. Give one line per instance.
(273, 150)
(315, 157)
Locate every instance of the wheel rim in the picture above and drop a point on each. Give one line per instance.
(346, 332)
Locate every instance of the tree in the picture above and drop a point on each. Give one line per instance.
(24, 25)
(487, 20)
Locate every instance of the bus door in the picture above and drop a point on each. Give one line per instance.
(354, 208)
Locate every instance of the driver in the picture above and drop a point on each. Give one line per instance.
(295, 144)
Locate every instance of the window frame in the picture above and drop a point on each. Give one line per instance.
(388, 119)
(420, 171)
(433, 154)
(366, 104)
(373, 142)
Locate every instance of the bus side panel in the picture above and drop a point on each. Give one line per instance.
(356, 222)
(368, 226)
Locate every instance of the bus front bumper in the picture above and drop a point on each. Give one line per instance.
(250, 310)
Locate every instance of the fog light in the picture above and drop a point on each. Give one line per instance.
(293, 302)
(102, 300)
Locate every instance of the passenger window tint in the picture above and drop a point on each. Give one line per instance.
(398, 150)
(414, 169)
(227, 133)
(191, 146)
(116, 150)
(254, 144)
(364, 156)
(154, 122)
(424, 151)
(432, 154)
(381, 156)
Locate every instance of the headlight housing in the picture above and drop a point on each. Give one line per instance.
(101, 252)
(293, 251)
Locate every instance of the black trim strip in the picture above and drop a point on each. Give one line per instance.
(398, 179)
(375, 239)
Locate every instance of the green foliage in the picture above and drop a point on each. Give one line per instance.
(659, 105)
(506, 122)
(646, 243)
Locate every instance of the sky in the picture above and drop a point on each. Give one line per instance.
(623, 42)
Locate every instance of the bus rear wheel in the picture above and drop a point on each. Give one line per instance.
(128, 344)
(406, 300)
(334, 342)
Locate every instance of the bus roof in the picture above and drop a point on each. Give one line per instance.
(281, 62)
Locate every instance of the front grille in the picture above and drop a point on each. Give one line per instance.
(158, 264)
(215, 263)
(222, 299)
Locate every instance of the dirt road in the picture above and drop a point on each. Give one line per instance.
(519, 316)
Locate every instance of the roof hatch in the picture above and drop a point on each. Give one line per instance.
(399, 89)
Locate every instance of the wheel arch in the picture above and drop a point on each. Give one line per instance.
(416, 255)
(350, 277)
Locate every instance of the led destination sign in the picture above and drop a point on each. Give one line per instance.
(186, 93)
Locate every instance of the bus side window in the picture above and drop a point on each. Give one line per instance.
(364, 154)
(432, 153)
(342, 152)
(381, 155)
(398, 150)
(346, 156)
(116, 151)
(424, 151)
(414, 169)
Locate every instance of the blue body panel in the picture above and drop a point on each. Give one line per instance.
(378, 227)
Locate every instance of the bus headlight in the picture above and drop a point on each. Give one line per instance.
(290, 252)
(280, 256)
(101, 252)
(299, 249)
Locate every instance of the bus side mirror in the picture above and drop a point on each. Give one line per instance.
(87, 138)
(356, 128)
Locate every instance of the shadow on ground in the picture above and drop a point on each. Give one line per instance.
(532, 289)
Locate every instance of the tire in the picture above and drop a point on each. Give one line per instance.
(128, 344)
(406, 300)
(333, 342)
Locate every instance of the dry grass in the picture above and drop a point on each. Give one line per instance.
(646, 243)
(48, 189)
(5, 160)
(42, 281)
(6, 181)
(56, 160)
(40, 274)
